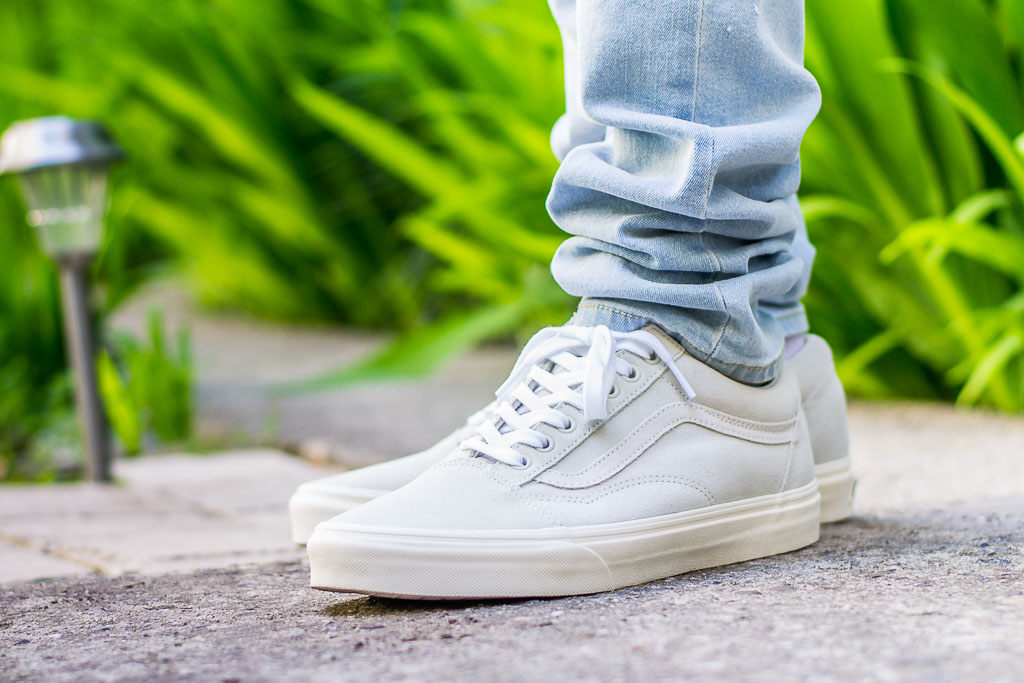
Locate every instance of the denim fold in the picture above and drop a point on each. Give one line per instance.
(679, 169)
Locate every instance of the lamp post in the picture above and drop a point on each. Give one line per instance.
(63, 165)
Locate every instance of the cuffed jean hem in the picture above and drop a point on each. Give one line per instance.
(792, 318)
(626, 316)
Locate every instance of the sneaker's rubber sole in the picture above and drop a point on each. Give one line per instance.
(836, 483)
(309, 507)
(413, 563)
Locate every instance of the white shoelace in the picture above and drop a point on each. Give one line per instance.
(562, 365)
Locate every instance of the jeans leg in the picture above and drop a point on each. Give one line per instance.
(574, 127)
(680, 142)
(786, 309)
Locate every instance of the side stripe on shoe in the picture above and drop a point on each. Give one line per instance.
(633, 445)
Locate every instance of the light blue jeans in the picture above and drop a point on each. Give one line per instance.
(679, 150)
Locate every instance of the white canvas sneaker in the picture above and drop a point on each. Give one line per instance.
(823, 402)
(615, 459)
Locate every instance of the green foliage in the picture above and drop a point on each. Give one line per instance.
(147, 389)
(37, 432)
(262, 208)
(919, 281)
(383, 163)
(34, 392)
(485, 87)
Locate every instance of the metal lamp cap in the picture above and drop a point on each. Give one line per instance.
(55, 141)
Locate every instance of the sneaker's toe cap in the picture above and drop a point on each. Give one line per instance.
(463, 494)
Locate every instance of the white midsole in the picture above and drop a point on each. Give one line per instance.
(835, 482)
(558, 561)
(309, 507)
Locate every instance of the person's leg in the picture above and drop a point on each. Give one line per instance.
(680, 144)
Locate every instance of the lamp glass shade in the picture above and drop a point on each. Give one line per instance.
(66, 205)
(63, 165)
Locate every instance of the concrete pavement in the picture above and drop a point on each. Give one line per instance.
(929, 595)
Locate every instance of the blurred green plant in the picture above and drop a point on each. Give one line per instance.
(913, 190)
(473, 145)
(919, 276)
(230, 181)
(384, 163)
(262, 209)
(147, 388)
(35, 394)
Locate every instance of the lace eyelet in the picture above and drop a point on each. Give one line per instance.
(614, 392)
(524, 464)
(633, 375)
(571, 427)
(652, 359)
(547, 447)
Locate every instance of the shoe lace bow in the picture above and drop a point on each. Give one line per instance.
(559, 366)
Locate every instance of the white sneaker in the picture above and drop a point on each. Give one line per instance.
(602, 469)
(823, 402)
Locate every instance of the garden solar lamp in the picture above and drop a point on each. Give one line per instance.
(64, 165)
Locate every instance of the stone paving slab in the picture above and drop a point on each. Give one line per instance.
(929, 595)
(18, 563)
(918, 455)
(166, 512)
